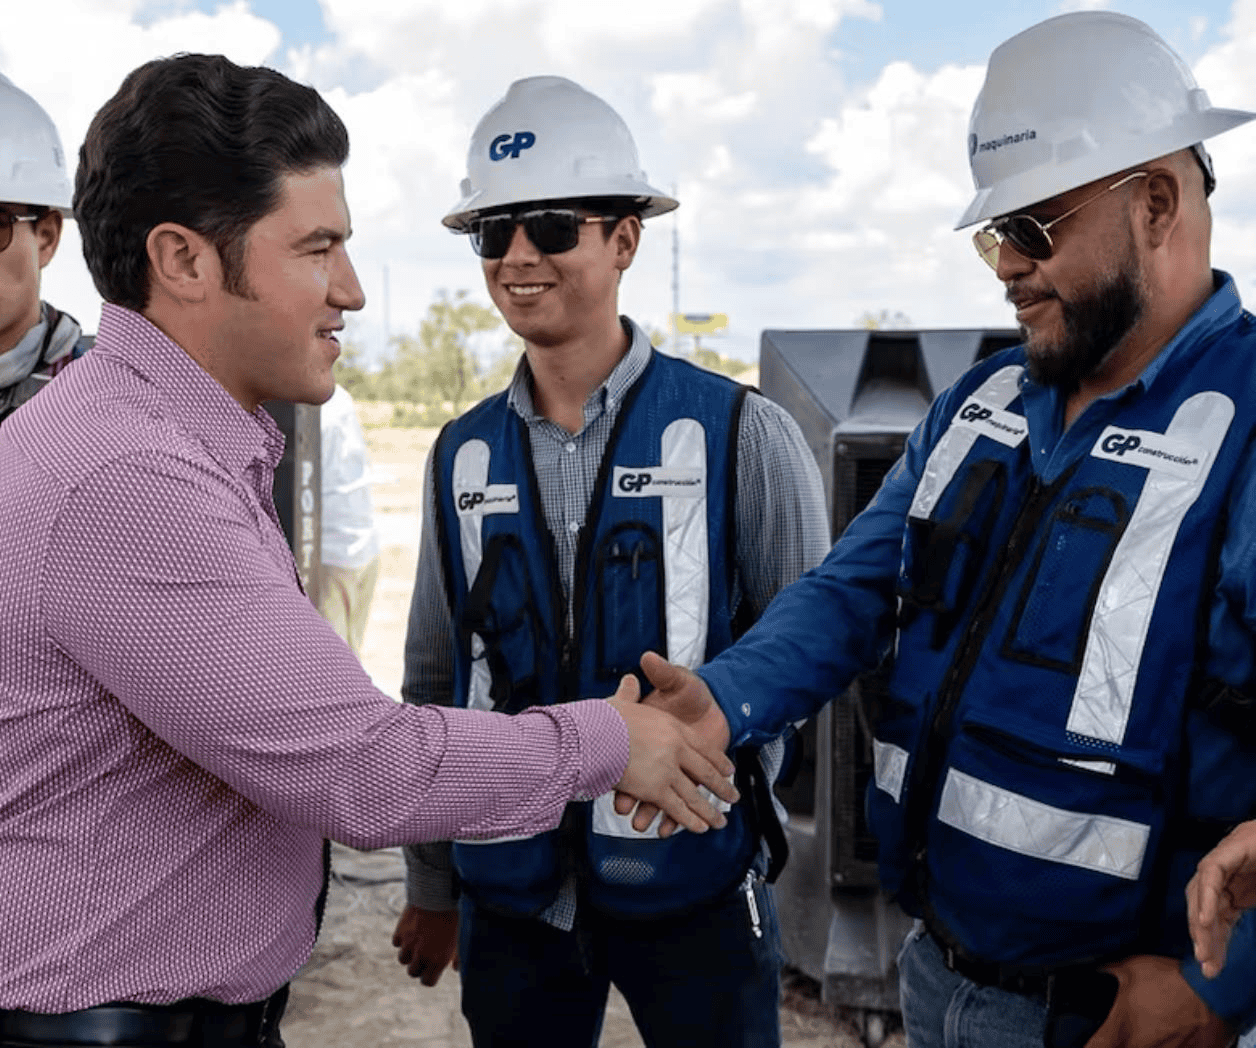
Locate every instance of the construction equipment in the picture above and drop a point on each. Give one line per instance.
(856, 394)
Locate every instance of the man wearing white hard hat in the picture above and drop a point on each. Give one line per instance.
(612, 501)
(1059, 572)
(36, 340)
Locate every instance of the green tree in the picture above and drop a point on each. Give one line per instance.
(713, 361)
(438, 367)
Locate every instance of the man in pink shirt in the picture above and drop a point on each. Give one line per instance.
(179, 729)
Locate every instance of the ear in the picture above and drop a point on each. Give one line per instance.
(1163, 197)
(627, 238)
(182, 263)
(48, 236)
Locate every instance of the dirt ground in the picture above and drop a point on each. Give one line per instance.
(352, 993)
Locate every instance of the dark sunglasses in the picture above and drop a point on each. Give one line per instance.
(7, 222)
(1026, 234)
(551, 230)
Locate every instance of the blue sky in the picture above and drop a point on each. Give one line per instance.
(817, 146)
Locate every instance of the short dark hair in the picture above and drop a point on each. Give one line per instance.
(200, 141)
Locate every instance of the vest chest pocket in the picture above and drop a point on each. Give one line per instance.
(629, 598)
(501, 611)
(945, 553)
(1051, 619)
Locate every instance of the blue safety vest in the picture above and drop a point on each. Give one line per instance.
(1051, 761)
(654, 568)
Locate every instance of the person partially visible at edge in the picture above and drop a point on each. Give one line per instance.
(36, 339)
(612, 500)
(1061, 573)
(1222, 890)
(182, 730)
(350, 554)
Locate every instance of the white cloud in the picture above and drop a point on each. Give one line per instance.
(806, 200)
(97, 42)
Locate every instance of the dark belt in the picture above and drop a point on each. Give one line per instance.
(1031, 982)
(193, 1022)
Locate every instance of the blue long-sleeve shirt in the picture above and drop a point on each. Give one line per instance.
(853, 593)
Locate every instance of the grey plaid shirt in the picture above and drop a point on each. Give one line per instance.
(781, 531)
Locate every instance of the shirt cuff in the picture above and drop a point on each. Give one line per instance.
(739, 727)
(1232, 994)
(603, 744)
(430, 876)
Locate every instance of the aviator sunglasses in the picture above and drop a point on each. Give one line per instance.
(1026, 234)
(551, 230)
(7, 222)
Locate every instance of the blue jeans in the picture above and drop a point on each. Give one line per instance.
(944, 1010)
(701, 979)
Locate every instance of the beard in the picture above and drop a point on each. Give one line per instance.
(1096, 320)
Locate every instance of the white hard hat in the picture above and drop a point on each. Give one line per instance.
(1075, 98)
(550, 139)
(32, 162)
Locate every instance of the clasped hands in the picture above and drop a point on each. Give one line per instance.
(678, 740)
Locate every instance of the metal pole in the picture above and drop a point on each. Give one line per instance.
(675, 279)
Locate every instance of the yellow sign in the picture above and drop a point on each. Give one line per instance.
(699, 323)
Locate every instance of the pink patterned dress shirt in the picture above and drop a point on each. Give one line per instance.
(179, 729)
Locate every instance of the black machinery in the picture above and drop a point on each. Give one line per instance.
(856, 394)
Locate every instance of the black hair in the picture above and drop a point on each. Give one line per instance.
(199, 141)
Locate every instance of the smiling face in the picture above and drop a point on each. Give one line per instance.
(552, 300)
(279, 340)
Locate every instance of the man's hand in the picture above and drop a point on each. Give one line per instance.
(667, 762)
(686, 697)
(427, 942)
(1223, 887)
(1155, 1007)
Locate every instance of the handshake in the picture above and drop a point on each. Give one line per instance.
(677, 742)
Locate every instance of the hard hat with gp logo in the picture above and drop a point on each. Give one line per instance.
(1075, 98)
(550, 139)
(32, 162)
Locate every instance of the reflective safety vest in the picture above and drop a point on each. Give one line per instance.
(1051, 762)
(654, 567)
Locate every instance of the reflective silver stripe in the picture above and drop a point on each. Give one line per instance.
(1127, 596)
(609, 823)
(1028, 827)
(998, 391)
(890, 764)
(686, 566)
(686, 574)
(471, 474)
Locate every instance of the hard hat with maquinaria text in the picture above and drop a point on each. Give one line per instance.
(1076, 98)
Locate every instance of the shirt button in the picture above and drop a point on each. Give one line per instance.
(570, 447)
(745, 709)
(573, 526)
